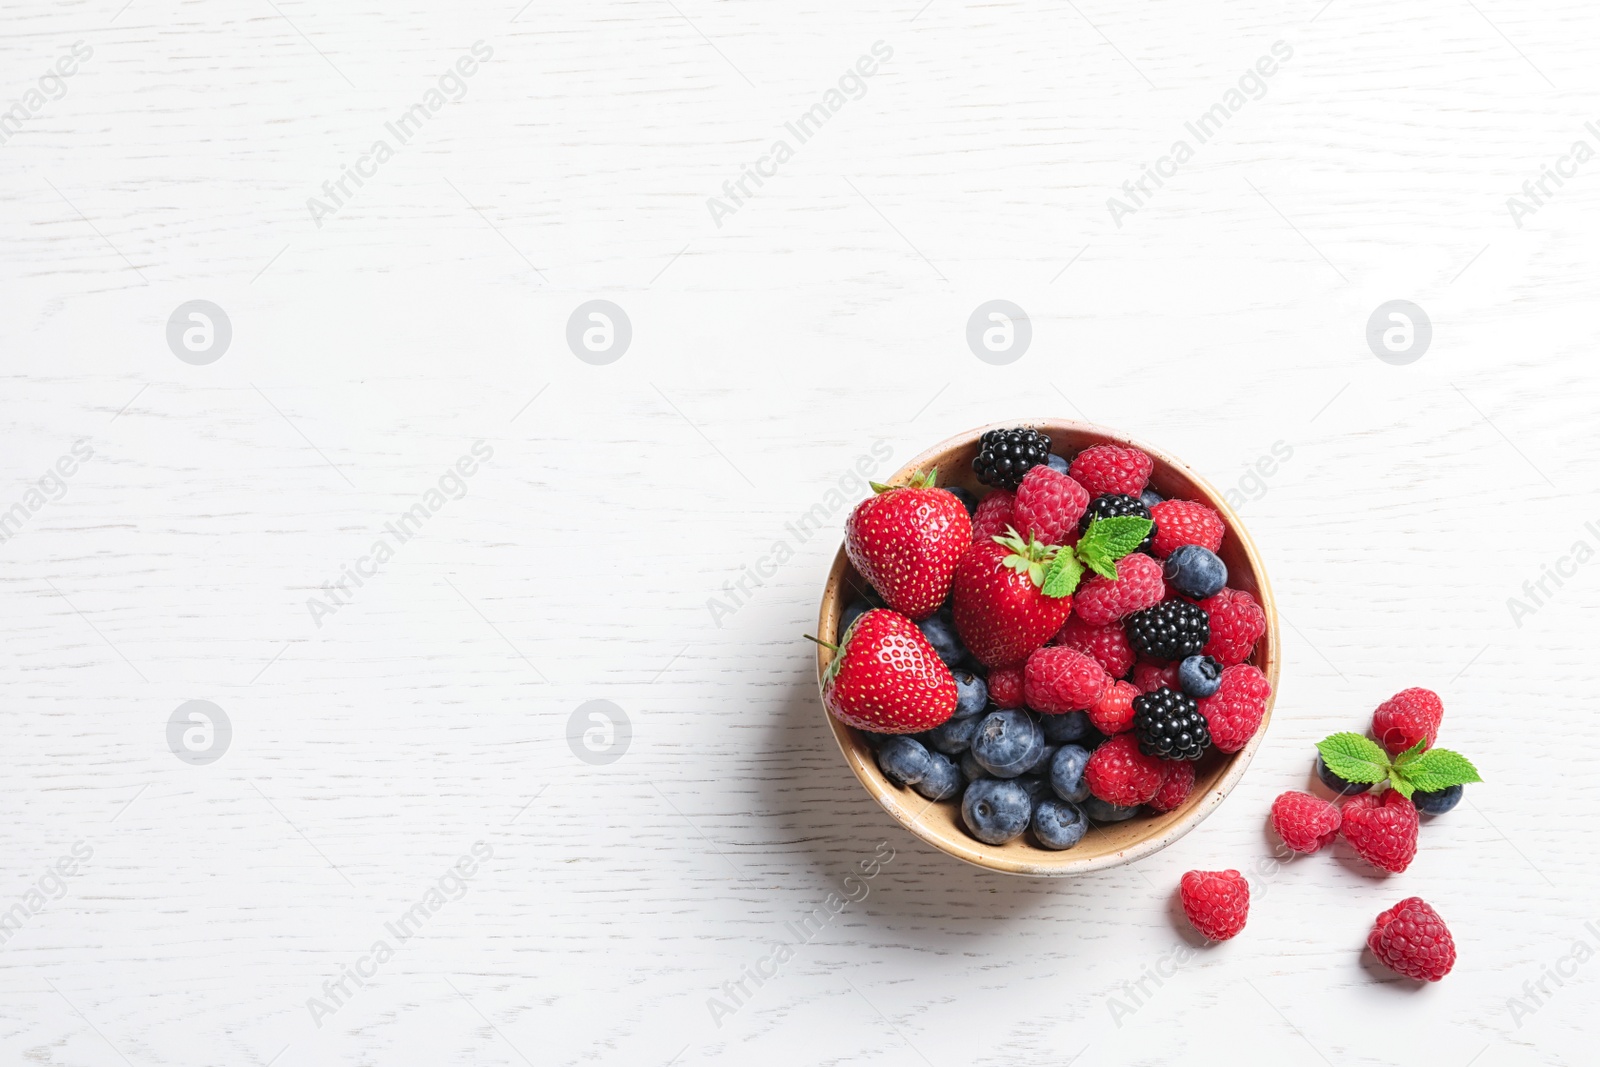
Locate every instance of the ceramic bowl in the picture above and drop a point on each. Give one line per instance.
(939, 824)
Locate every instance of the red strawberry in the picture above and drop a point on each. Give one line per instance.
(1382, 830)
(1409, 716)
(1237, 623)
(886, 678)
(1306, 823)
(1120, 774)
(906, 541)
(1139, 585)
(1184, 522)
(1113, 712)
(1001, 613)
(1234, 712)
(1048, 506)
(1107, 644)
(994, 515)
(1105, 469)
(1058, 680)
(1176, 788)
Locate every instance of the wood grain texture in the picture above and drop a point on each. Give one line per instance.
(432, 710)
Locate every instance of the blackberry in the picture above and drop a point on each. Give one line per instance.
(1110, 506)
(1169, 725)
(1004, 456)
(1173, 629)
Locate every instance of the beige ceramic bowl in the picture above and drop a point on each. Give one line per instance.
(939, 824)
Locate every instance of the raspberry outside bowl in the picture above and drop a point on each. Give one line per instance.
(1108, 845)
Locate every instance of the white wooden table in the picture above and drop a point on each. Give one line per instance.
(397, 768)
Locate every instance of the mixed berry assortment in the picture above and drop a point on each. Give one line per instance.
(1380, 827)
(1059, 652)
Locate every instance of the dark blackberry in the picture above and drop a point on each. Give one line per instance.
(1110, 506)
(1173, 629)
(1004, 456)
(1169, 725)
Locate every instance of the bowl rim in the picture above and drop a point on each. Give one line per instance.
(1057, 864)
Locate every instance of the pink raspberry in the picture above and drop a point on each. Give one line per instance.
(1216, 902)
(1185, 522)
(1005, 687)
(1103, 469)
(1058, 680)
(1139, 585)
(1237, 623)
(1234, 712)
(1306, 823)
(1107, 644)
(994, 514)
(1148, 677)
(1177, 787)
(1382, 830)
(1048, 505)
(1412, 940)
(1113, 712)
(1409, 716)
(1118, 773)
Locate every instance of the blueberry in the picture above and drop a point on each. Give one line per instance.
(996, 811)
(971, 769)
(852, 613)
(1066, 773)
(1337, 784)
(1199, 676)
(875, 741)
(1072, 726)
(972, 694)
(1103, 811)
(941, 634)
(1058, 824)
(904, 759)
(1035, 787)
(1057, 463)
(1041, 766)
(955, 736)
(1150, 498)
(1195, 570)
(1007, 743)
(968, 501)
(1439, 801)
(942, 781)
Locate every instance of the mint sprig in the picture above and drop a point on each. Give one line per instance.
(1418, 769)
(1102, 544)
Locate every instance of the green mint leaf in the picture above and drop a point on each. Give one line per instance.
(1063, 576)
(1354, 758)
(1401, 784)
(1118, 535)
(1411, 753)
(1097, 559)
(1439, 768)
